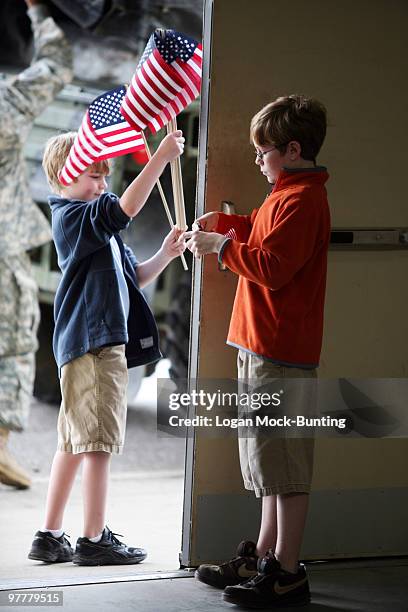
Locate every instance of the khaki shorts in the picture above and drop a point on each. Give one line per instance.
(277, 465)
(93, 410)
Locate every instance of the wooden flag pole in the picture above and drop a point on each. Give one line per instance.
(177, 181)
(163, 197)
(183, 221)
(170, 128)
(159, 187)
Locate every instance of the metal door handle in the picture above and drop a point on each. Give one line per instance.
(395, 238)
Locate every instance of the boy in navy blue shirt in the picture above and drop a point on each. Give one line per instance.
(103, 325)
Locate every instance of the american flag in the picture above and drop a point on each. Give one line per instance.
(167, 79)
(104, 133)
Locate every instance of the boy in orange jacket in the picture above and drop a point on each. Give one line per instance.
(279, 253)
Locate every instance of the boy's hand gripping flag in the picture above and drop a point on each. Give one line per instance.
(104, 133)
(167, 79)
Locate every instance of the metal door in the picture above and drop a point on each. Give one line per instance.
(351, 56)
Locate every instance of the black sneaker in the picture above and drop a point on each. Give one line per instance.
(49, 549)
(242, 567)
(272, 587)
(108, 551)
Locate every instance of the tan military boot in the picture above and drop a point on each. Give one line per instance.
(10, 472)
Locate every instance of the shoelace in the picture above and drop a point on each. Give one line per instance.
(111, 536)
(261, 574)
(253, 581)
(231, 562)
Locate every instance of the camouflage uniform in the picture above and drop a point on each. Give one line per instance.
(23, 226)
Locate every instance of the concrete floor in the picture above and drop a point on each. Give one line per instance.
(146, 510)
(146, 507)
(145, 500)
(364, 587)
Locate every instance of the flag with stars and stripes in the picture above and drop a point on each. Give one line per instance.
(104, 133)
(167, 79)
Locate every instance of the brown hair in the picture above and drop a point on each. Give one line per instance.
(288, 118)
(55, 155)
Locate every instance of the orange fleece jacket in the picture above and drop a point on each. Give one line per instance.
(280, 255)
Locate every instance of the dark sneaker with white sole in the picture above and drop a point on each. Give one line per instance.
(272, 587)
(108, 551)
(49, 549)
(240, 568)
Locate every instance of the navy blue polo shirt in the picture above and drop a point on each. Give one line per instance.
(90, 308)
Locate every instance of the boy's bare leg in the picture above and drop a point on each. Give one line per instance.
(291, 518)
(268, 531)
(95, 476)
(63, 470)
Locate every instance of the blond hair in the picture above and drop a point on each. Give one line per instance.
(293, 117)
(55, 155)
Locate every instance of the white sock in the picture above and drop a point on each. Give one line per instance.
(96, 538)
(56, 533)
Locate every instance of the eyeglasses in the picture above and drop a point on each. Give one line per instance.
(261, 154)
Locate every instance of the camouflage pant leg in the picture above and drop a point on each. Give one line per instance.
(19, 319)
